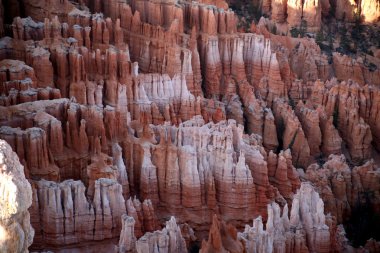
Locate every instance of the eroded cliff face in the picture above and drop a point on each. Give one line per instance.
(293, 11)
(16, 197)
(124, 115)
(307, 229)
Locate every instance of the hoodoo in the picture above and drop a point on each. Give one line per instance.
(173, 126)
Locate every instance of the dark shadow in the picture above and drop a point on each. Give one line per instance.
(12, 9)
(194, 247)
(364, 222)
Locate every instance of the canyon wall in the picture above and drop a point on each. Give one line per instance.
(294, 11)
(155, 126)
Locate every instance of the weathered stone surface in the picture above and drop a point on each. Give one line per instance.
(293, 11)
(341, 188)
(347, 104)
(305, 230)
(169, 239)
(127, 235)
(222, 238)
(279, 11)
(282, 174)
(16, 197)
(292, 133)
(331, 140)
(63, 214)
(310, 124)
(150, 109)
(37, 163)
(345, 9)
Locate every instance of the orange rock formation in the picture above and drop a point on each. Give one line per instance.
(126, 115)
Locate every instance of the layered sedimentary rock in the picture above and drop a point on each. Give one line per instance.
(201, 177)
(347, 103)
(305, 230)
(293, 136)
(66, 216)
(311, 14)
(16, 197)
(293, 11)
(310, 124)
(37, 162)
(21, 84)
(343, 188)
(27, 28)
(127, 236)
(144, 215)
(125, 114)
(282, 174)
(331, 140)
(279, 11)
(345, 10)
(348, 68)
(40, 9)
(222, 238)
(169, 239)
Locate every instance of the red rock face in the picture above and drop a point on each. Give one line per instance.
(301, 232)
(344, 186)
(291, 12)
(124, 115)
(222, 238)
